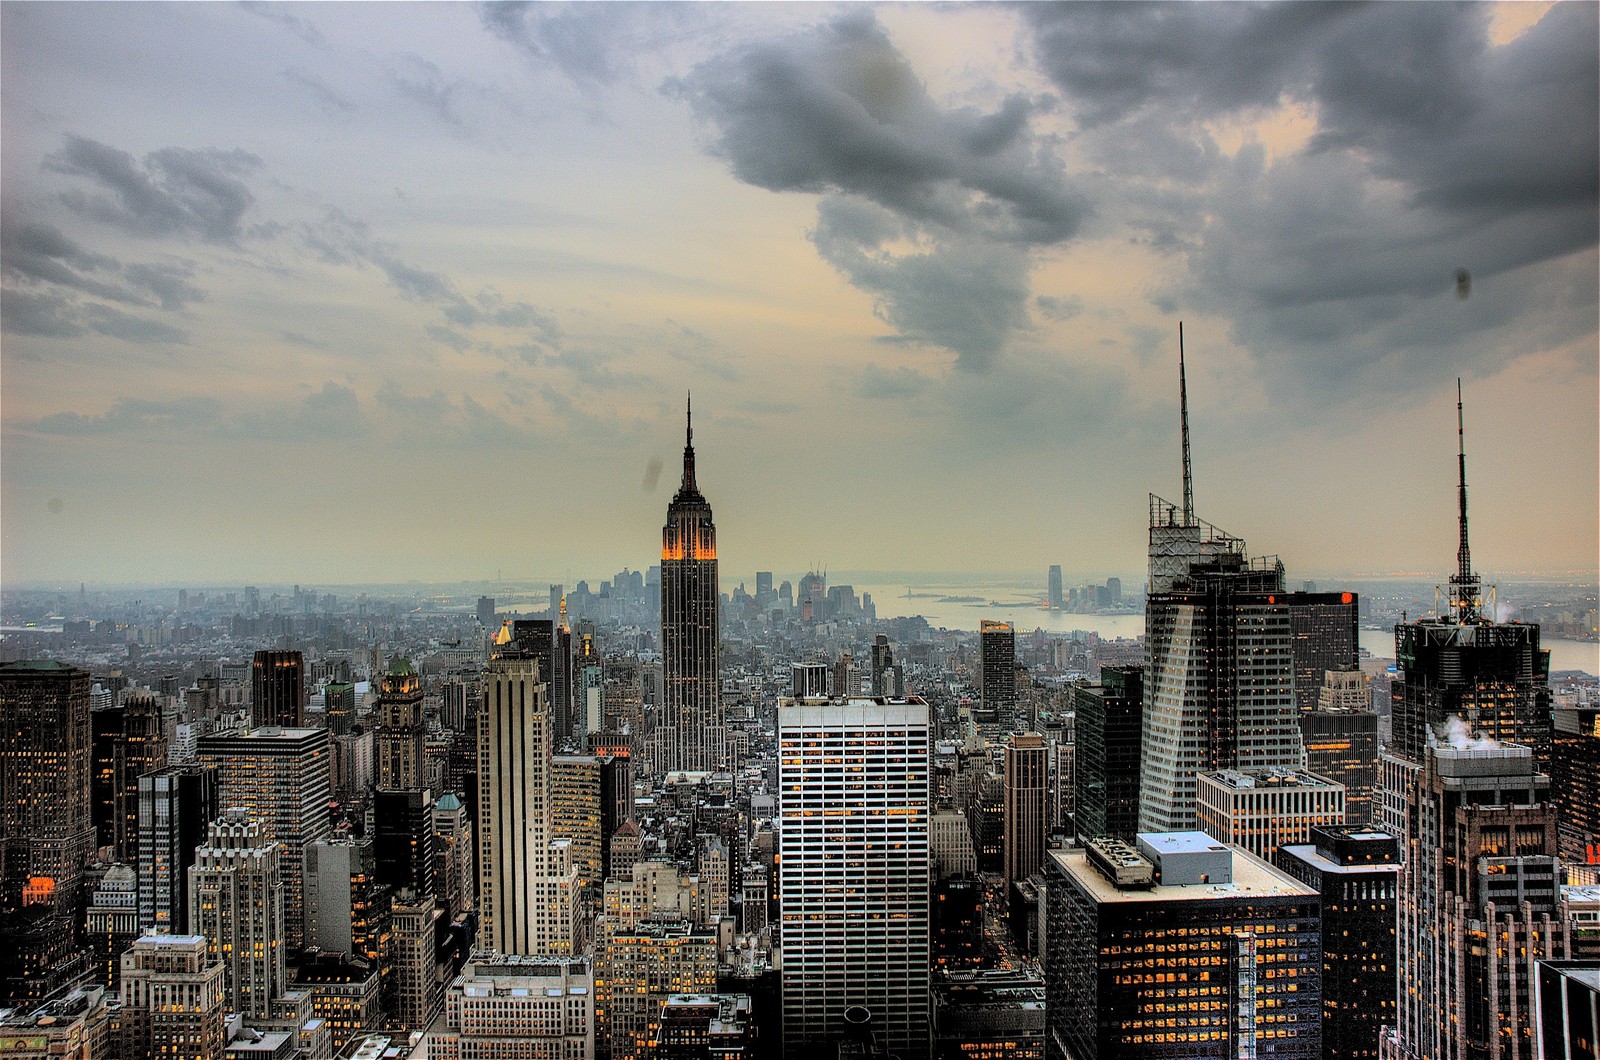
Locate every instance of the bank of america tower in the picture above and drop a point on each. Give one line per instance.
(689, 731)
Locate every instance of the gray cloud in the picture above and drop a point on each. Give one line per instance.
(1054, 308)
(114, 323)
(902, 382)
(280, 13)
(46, 313)
(129, 415)
(1433, 149)
(839, 111)
(326, 97)
(174, 191)
(591, 44)
(36, 253)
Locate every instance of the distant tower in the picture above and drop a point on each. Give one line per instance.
(528, 882)
(888, 679)
(999, 659)
(1055, 598)
(400, 730)
(690, 728)
(278, 688)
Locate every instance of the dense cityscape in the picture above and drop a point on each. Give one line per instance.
(661, 820)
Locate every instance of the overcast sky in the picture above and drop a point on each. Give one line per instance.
(333, 293)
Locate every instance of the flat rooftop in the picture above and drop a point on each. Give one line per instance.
(1252, 878)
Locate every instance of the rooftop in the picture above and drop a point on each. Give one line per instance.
(1252, 878)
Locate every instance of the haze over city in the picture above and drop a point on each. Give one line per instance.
(368, 293)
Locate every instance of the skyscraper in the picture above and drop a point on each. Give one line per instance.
(176, 806)
(278, 688)
(1219, 675)
(129, 741)
(853, 783)
(1054, 600)
(1492, 675)
(1323, 635)
(174, 999)
(1024, 805)
(1576, 782)
(400, 730)
(236, 903)
(281, 776)
(998, 643)
(1109, 727)
(528, 882)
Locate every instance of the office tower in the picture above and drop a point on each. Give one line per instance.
(1024, 805)
(1569, 1010)
(575, 791)
(588, 688)
(528, 884)
(690, 727)
(1183, 947)
(455, 871)
(1492, 675)
(999, 665)
(510, 1008)
(1323, 635)
(174, 999)
(278, 689)
(1109, 728)
(716, 877)
(344, 994)
(339, 699)
(1219, 673)
(990, 1013)
(809, 680)
(176, 808)
(1480, 902)
(641, 966)
(340, 878)
(1262, 810)
(128, 741)
(402, 839)
(1356, 870)
(281, 777)
(46, 825)
(1054, 598)
(1341, 740)
(400, 730)
(888, 679)
(1575, 780)
(413, 920)
(111, 923)
(486, 613)
(236, 903)
(955, 922)
(702, 1026)
(542, 639)
(950, 847)
(352, 771)
(854, 870)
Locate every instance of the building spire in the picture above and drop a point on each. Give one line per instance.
(1465, 586)
(688, 444)
(1183, 414)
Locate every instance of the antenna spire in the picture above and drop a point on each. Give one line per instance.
(688, 444)
(1183, 413)
(1465, 586)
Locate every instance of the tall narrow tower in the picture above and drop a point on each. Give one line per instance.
(690, 731)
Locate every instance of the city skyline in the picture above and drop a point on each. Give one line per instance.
(919, 265)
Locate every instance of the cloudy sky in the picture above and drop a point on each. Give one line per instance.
(333, 293)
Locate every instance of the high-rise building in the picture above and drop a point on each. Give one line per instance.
(1569, 1010)
(575, 791)
(128, 742)
(689, 730)
(1322, 634)
(998, 655)
(854, 881)
(176, 807)
(702, 1026)
(1219, 674)
(339, 706)
(641, 966)
(236, 903)
(402, 839)
(1183, 947)
(978, 1015)
(888, 679)
(1575, 780)
(174, 999)
(341, 891)
(281, 777)
(1024, 805)
(111, 923)
(1480, 903)
(278, 689)
(1261, 811)
(1356, 870)
(416, 990)
(1054, 598)
(510, 1008)
(46, 824)
(808, 680)
(1492, 675)
(528, 884)
(1341, 740)
(400, 730)
(1109, 727)
(486, 613)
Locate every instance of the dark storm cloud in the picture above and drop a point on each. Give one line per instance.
(173, 191)
(1434, 149)
(839, 111)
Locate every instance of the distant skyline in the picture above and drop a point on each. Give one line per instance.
(345, 293)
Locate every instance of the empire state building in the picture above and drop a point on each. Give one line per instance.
(689, 732)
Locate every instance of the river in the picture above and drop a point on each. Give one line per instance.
(946, 606)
